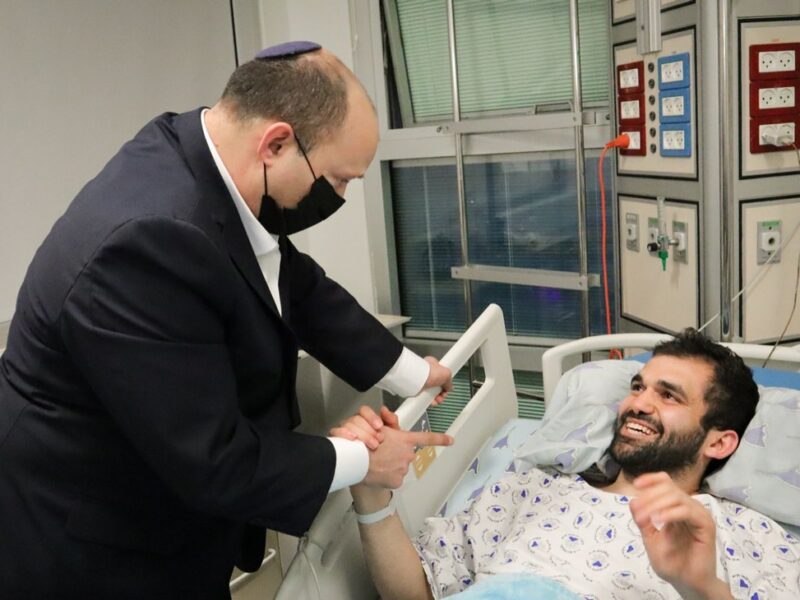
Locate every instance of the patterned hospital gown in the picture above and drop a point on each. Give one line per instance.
(558, 526)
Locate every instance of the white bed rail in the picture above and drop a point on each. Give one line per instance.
(553, 360)
(330, 564)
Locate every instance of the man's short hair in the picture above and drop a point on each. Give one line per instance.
(308, 91)
(731, 395)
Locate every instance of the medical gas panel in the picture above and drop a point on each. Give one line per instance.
(658, 176)
(669, 101)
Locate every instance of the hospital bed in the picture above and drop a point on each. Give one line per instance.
(329, 564)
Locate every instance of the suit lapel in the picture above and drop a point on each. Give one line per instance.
(216, 196)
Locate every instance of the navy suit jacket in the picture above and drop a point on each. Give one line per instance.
(147, 391)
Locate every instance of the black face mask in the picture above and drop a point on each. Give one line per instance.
(319, 204)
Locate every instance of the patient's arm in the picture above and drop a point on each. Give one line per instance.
(679, 535)
(391, 558)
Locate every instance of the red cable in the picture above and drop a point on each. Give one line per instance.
(622, 141)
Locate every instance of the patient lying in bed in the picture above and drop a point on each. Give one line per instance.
(648, 534)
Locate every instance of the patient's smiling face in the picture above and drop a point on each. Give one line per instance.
(658, 427)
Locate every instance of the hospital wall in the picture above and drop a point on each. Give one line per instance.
(78, 83)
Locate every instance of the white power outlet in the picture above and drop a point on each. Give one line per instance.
(776, 98)
(778, 134)
(776, 62)
(674, 139)
(672, 71)
(628, 79)
(636, 140)
(629, 109)
(672, 106)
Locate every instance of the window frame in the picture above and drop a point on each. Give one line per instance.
(481, 136)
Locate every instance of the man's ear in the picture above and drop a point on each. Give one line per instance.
(720, 444)
(274, 141)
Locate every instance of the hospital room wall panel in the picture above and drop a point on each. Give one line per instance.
(665, 300)
(654, 162)
(766, 307)
(764, 32)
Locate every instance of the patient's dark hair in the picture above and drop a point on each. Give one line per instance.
(732, 394)
(308, 91)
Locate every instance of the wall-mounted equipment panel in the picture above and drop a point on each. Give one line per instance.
(769, 251)
(659, 286)
(769, 73)
(625, 10)
(668, 146)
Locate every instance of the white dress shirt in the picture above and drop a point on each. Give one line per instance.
(405, 378)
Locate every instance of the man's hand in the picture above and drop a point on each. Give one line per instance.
(366, 426)
(439, 376)
(679, 535)
(388, 464)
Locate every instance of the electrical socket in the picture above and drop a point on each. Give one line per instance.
(776, 62)
(629, 78)
(776, 134)
(673, 139)
(782, 97)
(672, 71)
(672, 106)
(769, 241)
(629, 109)
(636, 140)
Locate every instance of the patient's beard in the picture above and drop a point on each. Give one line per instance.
(671, 454)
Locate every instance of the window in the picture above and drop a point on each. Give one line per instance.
(522, 212)
(512, 55)
(513, 59)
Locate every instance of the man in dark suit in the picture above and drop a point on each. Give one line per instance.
(147, 391)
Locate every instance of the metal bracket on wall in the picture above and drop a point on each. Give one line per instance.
(563, 280)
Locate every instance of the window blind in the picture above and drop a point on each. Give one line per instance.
(512, 54)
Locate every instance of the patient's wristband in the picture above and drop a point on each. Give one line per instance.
(379, 515)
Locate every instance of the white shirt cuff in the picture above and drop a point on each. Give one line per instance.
(408, 375)
(352, 463)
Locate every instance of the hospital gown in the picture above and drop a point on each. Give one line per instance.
(558, 526)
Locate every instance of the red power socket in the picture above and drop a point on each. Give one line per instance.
(756, 147)
(632, 87)
(632, 132)
(629, 120)
(776, 99)
(778, 58)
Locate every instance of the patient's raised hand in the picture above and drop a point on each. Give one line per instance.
(679, 535)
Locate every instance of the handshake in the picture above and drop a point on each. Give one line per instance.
(391, 449)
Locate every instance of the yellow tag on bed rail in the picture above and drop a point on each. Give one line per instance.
(423, 459)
